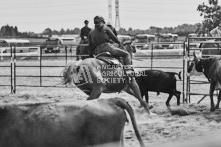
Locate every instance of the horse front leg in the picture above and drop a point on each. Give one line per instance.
(212, 88)
(218, 101)
(96, 92)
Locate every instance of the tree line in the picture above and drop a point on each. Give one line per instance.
(211, 14)
(181, 30)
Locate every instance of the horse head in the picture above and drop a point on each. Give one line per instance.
(196, 66)
(70, 73)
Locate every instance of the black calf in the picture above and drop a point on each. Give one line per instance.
(158, 81)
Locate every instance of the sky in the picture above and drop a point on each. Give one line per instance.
(37, 15)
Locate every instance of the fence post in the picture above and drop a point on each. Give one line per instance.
(187, 64)
(12, 87)
(40, 67)
(151, 56)
(184, 71)
(39, 52)
(14, 63)
(66, 55)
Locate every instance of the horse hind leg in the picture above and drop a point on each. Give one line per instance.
(136, 90)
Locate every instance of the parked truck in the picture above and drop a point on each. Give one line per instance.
(167, 41)
(52, 45)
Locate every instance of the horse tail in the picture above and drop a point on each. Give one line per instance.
(69, 70)
(124, 105)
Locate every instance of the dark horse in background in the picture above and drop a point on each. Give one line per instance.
(84, 49)
(95, 76)
(211, 68)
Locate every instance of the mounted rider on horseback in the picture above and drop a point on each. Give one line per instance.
(91, 74)
(100, 39)
(84, 37)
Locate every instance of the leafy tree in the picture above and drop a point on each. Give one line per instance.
(76, 31)
(211, 14)
(62, 31)
(48, 32)
(55, 32)
(8, 31)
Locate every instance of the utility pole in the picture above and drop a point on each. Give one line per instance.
(110, 11)
(117, 19)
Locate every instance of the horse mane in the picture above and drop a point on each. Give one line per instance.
(67, 71)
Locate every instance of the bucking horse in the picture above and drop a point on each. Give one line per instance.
(102, 74)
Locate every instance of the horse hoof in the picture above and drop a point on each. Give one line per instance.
(150, 107)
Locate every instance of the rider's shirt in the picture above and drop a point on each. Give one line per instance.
(216, 32)
(113, 29)
(84, 32)
(103, 35)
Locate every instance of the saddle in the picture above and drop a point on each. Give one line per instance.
(106, 57)
(114, 62)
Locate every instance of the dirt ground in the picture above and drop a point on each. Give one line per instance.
(199, 127)
(161, 129)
